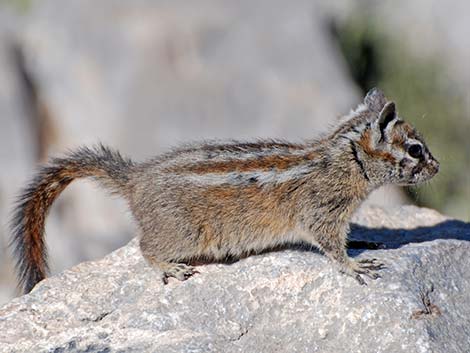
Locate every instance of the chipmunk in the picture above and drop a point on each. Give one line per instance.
(216, 200)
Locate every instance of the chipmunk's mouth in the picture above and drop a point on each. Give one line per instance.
(424, 171)
(423, 175)
(419, 177)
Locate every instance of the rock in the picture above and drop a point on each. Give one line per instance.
(287, 301)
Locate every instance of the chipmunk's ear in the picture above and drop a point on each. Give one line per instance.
(375, 100)
(382, 124)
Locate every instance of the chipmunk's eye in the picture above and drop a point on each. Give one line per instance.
(415, 151)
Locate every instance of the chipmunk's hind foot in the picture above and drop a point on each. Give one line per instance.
(179, 271)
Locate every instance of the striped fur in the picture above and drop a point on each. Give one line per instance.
(215, 199)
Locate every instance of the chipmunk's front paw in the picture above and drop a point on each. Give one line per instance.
(179, 271)
(364, 267)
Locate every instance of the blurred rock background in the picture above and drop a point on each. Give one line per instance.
(145, 75)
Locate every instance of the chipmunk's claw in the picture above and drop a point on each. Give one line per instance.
(371, 264)
(360, 280)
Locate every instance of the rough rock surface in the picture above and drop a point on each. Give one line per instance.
(287, 301)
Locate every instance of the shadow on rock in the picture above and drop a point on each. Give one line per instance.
(362, 237)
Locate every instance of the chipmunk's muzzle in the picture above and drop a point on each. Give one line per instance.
(425, 170)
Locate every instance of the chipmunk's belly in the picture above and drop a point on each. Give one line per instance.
(240, 234)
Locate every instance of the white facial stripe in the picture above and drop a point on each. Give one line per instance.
(414, 142)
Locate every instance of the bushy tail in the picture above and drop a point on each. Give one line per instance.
(101, 163)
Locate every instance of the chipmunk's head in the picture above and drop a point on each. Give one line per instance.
(388, 149)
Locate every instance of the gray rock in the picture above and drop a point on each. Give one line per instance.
(287, 301)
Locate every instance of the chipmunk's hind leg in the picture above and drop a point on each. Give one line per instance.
(163, 256)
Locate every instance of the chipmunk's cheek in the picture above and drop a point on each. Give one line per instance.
(408, 172)
(414, 173)
(418, 174)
